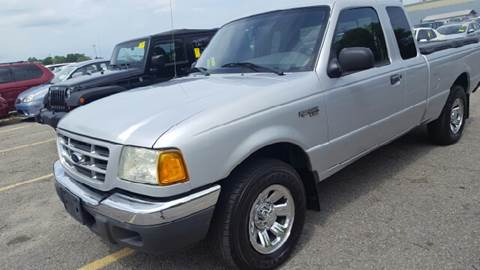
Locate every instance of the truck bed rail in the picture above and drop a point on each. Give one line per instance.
(445, 45)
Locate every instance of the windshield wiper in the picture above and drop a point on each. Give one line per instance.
(202, 70)
(254, 67)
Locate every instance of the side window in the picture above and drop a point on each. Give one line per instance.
(92, 69)
(422, 35)
(170, 51)
(26, 72)
(403, 32)
(199, 46)
(87, 70)
(470, 28)
(5, 75)
(103, 66)
(360, 27)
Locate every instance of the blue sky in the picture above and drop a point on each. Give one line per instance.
(41, 28)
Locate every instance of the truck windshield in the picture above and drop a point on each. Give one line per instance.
(284, 41)
(130, 54)
(452, 29)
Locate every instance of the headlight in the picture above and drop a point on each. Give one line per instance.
(153, 167)
(27, 99)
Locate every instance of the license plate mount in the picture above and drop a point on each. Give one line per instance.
(73, 205)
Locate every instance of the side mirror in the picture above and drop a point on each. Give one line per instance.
(471, 31)
(158, 62)
(351, 60)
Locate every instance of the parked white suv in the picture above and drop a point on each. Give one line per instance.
(427, 35)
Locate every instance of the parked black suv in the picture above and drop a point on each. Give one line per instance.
(135, 63)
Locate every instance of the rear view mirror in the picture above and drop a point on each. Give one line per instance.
(351, 60)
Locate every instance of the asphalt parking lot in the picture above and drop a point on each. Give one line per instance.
(409, 205)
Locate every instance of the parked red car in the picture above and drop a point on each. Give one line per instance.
(16, 78)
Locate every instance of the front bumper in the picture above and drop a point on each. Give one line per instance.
(142, 223)
(50, 118)
(29, 109)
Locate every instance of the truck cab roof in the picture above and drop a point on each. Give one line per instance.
(175, 32)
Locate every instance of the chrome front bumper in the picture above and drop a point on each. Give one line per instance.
(135, 210)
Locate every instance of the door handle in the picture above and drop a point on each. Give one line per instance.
(394, 79)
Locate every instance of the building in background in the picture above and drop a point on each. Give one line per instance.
(452, 16)
(419, 11)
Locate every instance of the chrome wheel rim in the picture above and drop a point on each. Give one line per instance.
(271, 219)
(457, 116)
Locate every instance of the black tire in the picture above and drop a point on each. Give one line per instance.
(439, 130)
(230, 235)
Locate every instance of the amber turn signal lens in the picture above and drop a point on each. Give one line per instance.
(82, 100)
(171, 168)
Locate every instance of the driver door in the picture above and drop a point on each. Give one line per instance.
(360, 104)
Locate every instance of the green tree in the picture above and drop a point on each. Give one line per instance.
(58, 59)
(47, 61)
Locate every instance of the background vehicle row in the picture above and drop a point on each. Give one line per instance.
(16, 78)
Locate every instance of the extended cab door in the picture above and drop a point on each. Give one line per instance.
(360, 104)
(415, 72)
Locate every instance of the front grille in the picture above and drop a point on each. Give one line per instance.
(87, 159)
(57, 101)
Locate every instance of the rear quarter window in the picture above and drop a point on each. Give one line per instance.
(403, 34)
(26, 72)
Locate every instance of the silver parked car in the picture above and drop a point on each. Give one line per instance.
(30, 102)
(459, 30)
(279, 102)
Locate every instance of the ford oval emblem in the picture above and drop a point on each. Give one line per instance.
(78, 158)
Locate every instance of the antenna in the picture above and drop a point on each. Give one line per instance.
(173, 40)
(95, 51)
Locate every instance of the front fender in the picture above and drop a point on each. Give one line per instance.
(261, 139)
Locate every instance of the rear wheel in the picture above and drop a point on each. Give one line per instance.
(260, 215)
(448, 128)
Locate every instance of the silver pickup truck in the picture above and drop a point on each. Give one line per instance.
(278, 102)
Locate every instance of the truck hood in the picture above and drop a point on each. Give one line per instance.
(101, 78)
(140, 117)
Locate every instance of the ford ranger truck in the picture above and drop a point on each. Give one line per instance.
(234, 152)
(135, 63)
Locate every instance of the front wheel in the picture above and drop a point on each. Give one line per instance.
(260, 215)
(448, 128)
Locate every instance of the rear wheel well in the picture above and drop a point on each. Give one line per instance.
(464, 81)
(296, 157)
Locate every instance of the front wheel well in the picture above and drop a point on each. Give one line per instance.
(296, 157)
